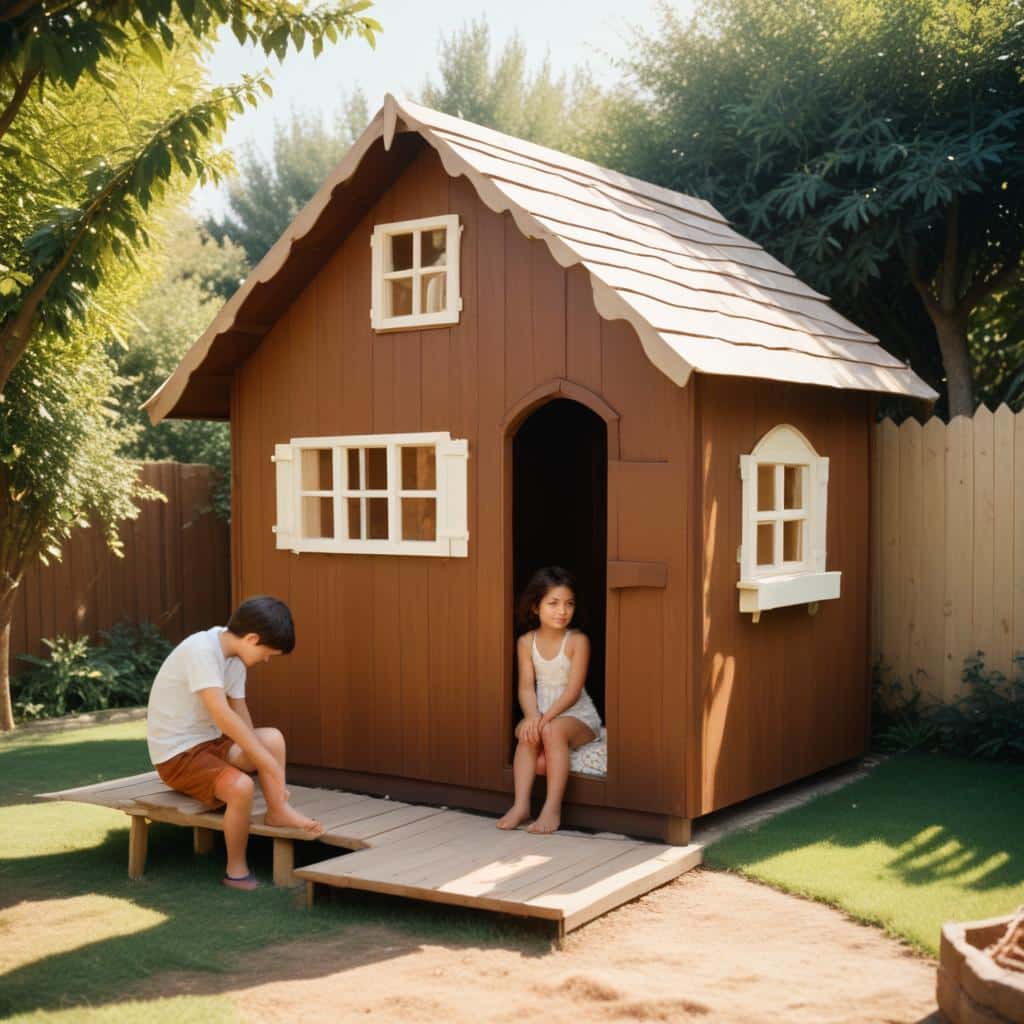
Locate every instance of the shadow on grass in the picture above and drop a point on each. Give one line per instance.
(946, 819)
(206, 931)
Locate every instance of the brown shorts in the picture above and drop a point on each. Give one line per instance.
(195, 771)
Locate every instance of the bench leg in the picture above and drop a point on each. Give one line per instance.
(202, 841)
(677, 831)
(284, 862)
(310, 894)
(137, 842)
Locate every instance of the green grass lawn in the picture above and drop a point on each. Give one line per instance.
(920, 841)
(78, 939)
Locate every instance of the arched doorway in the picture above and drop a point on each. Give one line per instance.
(560, 514)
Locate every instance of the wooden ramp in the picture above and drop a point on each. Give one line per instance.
(424, 853)
(462, 859)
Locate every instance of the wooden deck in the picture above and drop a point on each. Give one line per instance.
(424, 853)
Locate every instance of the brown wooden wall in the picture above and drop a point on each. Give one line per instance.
(787, 696)
(403, 665)
(174, 573)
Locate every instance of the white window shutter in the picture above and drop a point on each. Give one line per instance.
(453, 486)
(284, 463)
(819, 514)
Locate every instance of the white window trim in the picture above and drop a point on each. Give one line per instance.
(451, 458)
(379, 247)
(785, 583)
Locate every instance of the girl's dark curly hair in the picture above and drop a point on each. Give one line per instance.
(541, 582)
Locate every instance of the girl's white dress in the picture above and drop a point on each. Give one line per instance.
(552, 677)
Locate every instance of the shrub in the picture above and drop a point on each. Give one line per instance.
(986, 722)
(80, 676)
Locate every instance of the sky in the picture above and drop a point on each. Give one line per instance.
(573, 32)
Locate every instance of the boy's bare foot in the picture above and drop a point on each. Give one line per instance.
(288, 817)
(514, 817)
(546, 823)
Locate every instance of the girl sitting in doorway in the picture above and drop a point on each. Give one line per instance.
(558, 714)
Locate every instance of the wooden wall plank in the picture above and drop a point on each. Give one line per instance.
(891, 548)
(909, 526)
(931, 606)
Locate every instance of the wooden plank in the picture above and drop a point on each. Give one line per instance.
(628, 888)
(932, 611)
(1001, 655)
(370, 829)
(101, 787)
(517, 302)
(622, 575)
(890, 546)
(548, 308)
(959, 550)
(984, 524)
(908, 498)
(1018, 533)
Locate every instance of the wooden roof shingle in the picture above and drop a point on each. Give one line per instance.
(700, 296)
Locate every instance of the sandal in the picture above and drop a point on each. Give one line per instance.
(247, 882)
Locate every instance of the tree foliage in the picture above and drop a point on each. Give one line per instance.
(873, 147)
(560, 111)
(266, 195)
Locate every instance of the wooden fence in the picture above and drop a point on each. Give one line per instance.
(947, 540)
(175, 570)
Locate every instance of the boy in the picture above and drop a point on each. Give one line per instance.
(200, 734)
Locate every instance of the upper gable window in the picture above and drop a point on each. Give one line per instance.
(785, 504)
(416, 273)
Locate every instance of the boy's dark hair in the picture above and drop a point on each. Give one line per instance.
(269, 619)
(540, 583)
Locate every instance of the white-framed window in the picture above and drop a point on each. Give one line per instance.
(416, 273)
(785, 508)
(374, 494)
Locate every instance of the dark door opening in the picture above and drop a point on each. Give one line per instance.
(560, 515)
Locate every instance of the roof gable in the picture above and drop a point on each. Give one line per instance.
(700, 296)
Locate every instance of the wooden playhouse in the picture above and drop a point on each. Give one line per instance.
(470, 356)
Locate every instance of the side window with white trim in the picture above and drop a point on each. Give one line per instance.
(785, 513)
(386, 494)
(416, 273)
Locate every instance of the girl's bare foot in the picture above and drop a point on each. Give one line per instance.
(287, 817)
(514, 817)
(546, 823)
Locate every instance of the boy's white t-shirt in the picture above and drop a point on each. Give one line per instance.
(177, 717)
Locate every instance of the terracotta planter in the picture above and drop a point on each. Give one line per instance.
(972, 988)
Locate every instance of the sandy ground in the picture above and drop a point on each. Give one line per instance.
(708, 946)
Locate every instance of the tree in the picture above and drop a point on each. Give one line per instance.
(108, 129)
(557, 111)
(267, 194)
(197, 274)
(69, 224)
(873, 147)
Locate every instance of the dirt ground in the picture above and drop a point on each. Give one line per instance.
(709, 945)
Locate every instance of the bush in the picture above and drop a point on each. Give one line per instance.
(987, 722)
(116, 672)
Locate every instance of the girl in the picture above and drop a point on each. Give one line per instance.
(558, 714)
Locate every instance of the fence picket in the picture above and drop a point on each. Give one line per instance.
(948, 546)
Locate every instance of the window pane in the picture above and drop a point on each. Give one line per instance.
(433, 293)
(432, 248)
(354, 478)
(399, 294)
(376, 469)
(419, 518)
(377, 518)
(765, 488)
(401, 252)
(793, 540)
(765, 543)
(419, 469)
(793, 487)
(317, 517)
(355, 519)
(317, 469)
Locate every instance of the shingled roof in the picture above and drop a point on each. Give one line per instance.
(700, 296)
